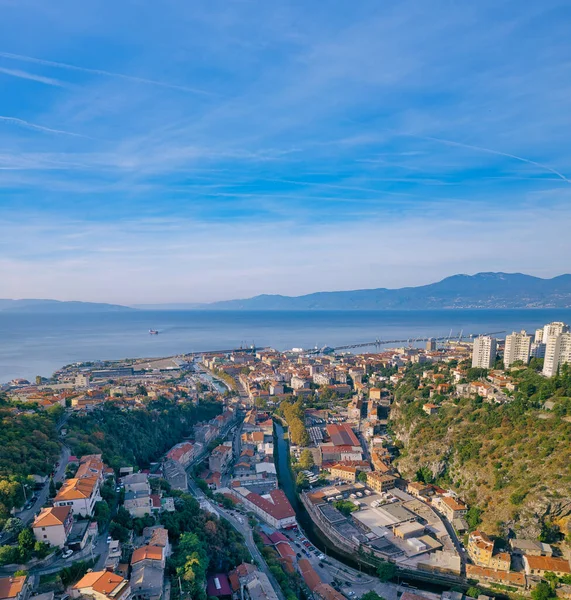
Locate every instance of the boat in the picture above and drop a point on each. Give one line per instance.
(153, 332)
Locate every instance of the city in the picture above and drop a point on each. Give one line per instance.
(305, 461)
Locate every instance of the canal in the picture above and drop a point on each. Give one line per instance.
(314, 535)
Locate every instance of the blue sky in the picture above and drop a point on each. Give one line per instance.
(194, 151)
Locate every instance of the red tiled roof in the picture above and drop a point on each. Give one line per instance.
(310, 576)
(222, 589)
(342, 435)
(278, 508)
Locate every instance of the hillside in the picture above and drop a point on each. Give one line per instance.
(57, 306)
(483, 290)
(512, 462)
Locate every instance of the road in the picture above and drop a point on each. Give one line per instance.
(241, 527)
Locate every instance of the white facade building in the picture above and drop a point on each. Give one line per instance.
(518, 347)
(484, 352)
(557, 352)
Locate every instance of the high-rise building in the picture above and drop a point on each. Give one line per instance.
(484, 352)
(537, 349)
(518, 347)
(538, 336)
(431, 345)
(557, 353)
(552, 329)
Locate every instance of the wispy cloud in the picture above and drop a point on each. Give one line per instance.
(33, 77)
(143, 80)
(36, 127)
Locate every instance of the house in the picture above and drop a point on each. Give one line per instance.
(486, 575)
(379, 482)
(451, 507)
(419, 490)
(148, 572)
(14, 588)
(158, 536)
(175, 475)
(218, 586)
(249, 583)
(182, 453)
(90, 465)
(539, 565)
(80, 494)
(53, 525)
(102, 585)
(530, 547)
(137, 482)
(430, 409)
(219, 458)
(274, 508)
(339, 471)
(149, 555)
(481, 551)
(138, 504)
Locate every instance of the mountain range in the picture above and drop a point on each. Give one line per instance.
(483, 290)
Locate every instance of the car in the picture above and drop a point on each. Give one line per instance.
(298, 555)
(348, 583)
(321, 557)
(117, 489)
(109, 539)
(67, 554)
(29, 504)
(322, 565)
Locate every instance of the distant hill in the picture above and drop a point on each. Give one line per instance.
(483, 290)
(58, 306)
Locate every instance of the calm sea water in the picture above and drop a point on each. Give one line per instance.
(38, 344)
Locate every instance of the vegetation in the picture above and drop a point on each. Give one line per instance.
(135, 437)
(293, 414)
(371, 596)
(386, 571)
(512, 461)
(345, 507)
(26, 549)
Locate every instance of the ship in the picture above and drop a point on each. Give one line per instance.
(153, 332)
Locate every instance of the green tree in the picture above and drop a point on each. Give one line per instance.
(13, 526)
(386, 571)
(472, 592)
(362, 477)
(52, 489)
(26, 539)
(371, 596)
(551, 579)
(102, 513)
(306, 459)
(9, 555)
(542, 591)
(301, 481)
(118, 532)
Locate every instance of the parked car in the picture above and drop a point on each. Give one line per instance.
(298, 555)
(109, 539)
(67, 554)
(322, 565)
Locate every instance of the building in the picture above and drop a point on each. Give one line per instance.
(557, 353)
(430, 409)
(539, 565)
(137, 482)
(518, 347)
(138, 504)
(102, 585)
(14, 588)
(379, 482)
(176, 475)
(431, 345)
(481, 551)
(345, 473)
(486, 575)
(182, 453)
(250, 584)
(80, 494)
(273, 508)
(342, 435)
(220, 458)
(530, 547)
(484, 352)
(451, 507)
(53, 525)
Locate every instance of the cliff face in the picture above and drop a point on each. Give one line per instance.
(512, 462)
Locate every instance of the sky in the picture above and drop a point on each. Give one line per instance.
(181, 151)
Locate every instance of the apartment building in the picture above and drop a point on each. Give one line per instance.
(220, 458)
(274, 508)
(52, 525)
(557, 353)
(484, 352)
(80, 494)
(102, 585)
(481, 551)
(379, 482)
(344, 472)
(540, 565)
(452, 508)
(518, 347)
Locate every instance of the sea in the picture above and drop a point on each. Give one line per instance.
(39, 343)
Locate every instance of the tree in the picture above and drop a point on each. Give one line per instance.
(9, 555)
(543, 591)
(26, 539)
(371, 596)
(302, 482)
(13, 526)
(306, 459)
(118, 532)
(362, 477)
(551, 579)
(473, 592)
(53, 490)
(102, 513)
(386, 571)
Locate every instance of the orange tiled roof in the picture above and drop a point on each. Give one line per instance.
(76, 489)
(147, 553)
(10, 587)
(51, 517)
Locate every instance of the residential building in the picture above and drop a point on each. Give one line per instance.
(379, 482)
(182, 453)
(431, 345)
(537, 350)
(484, 352)
(102, 585)
(487, 575)
(452, 508)
(345, 473)
(530, 547)
(176, 475)
(14, 588)
(539, 565)
(80, 494)
(553, 329)
(518, 347)
(138, 504)
(53, 525)
(430, 409)
(149, 555)
(137, 482)
(219, 458)
(557, 353)
(158, 536)
(481, 551)
(273, 508)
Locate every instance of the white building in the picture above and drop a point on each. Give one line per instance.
(518, 347)
(484, 352)
(553, 329)
(557, 352)
(537, 349)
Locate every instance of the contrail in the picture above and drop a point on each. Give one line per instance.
(490, 151)
(59, 65)
(33, 77)
(36, 127)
